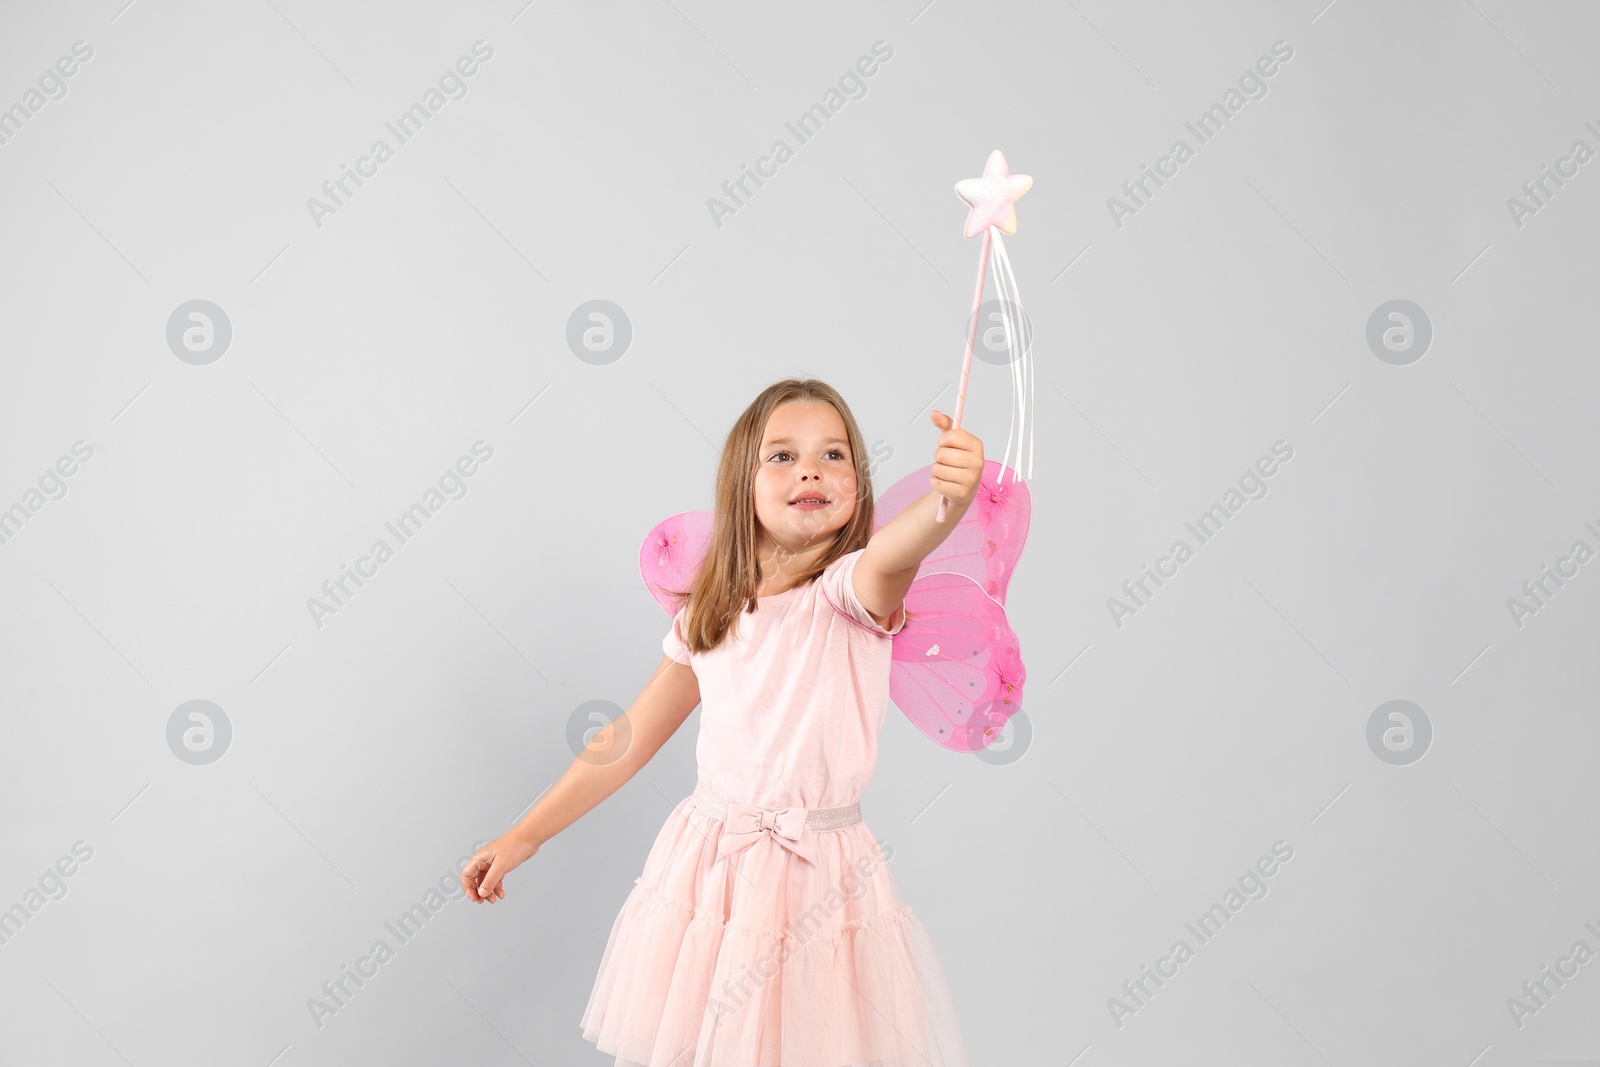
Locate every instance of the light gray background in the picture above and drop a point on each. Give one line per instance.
(1167, 754)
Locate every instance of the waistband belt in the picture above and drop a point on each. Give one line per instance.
(792, 827)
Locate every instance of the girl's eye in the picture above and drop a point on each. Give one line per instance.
(831, 452)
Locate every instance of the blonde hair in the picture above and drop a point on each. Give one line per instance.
(725, 585)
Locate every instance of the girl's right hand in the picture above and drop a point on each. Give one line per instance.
(481, 877)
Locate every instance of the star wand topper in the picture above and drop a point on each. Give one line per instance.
(992, 199)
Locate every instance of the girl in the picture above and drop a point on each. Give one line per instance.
(765, 928)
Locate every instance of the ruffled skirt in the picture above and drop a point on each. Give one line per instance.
(760, 959)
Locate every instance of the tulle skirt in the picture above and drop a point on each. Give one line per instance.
(760, 959)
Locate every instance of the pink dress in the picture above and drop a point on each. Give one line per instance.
(761, 958)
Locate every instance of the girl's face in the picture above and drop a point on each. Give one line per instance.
(804, 453)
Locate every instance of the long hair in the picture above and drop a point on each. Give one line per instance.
(725, 585)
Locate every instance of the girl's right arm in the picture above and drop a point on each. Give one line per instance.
(612, 756)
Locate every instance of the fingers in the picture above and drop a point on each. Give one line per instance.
(948, 476)
(957, 437)
(491, 887)
(961, 475)
(470, 875)
(480, 878)
(958, 460)
(955, 455)
(951, 431)
(955, 480)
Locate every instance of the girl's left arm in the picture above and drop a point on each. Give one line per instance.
(888, 565)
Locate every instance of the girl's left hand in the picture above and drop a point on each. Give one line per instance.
(481, 877)
(957, 462)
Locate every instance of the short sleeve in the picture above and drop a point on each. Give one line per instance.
(838, 586)
(673, 644)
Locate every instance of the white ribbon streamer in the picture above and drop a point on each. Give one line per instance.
(1020, 350)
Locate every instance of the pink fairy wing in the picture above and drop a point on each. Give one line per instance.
(987, 542)
(956, 670)
(671, 555)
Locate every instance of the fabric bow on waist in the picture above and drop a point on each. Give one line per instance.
(746, 824)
